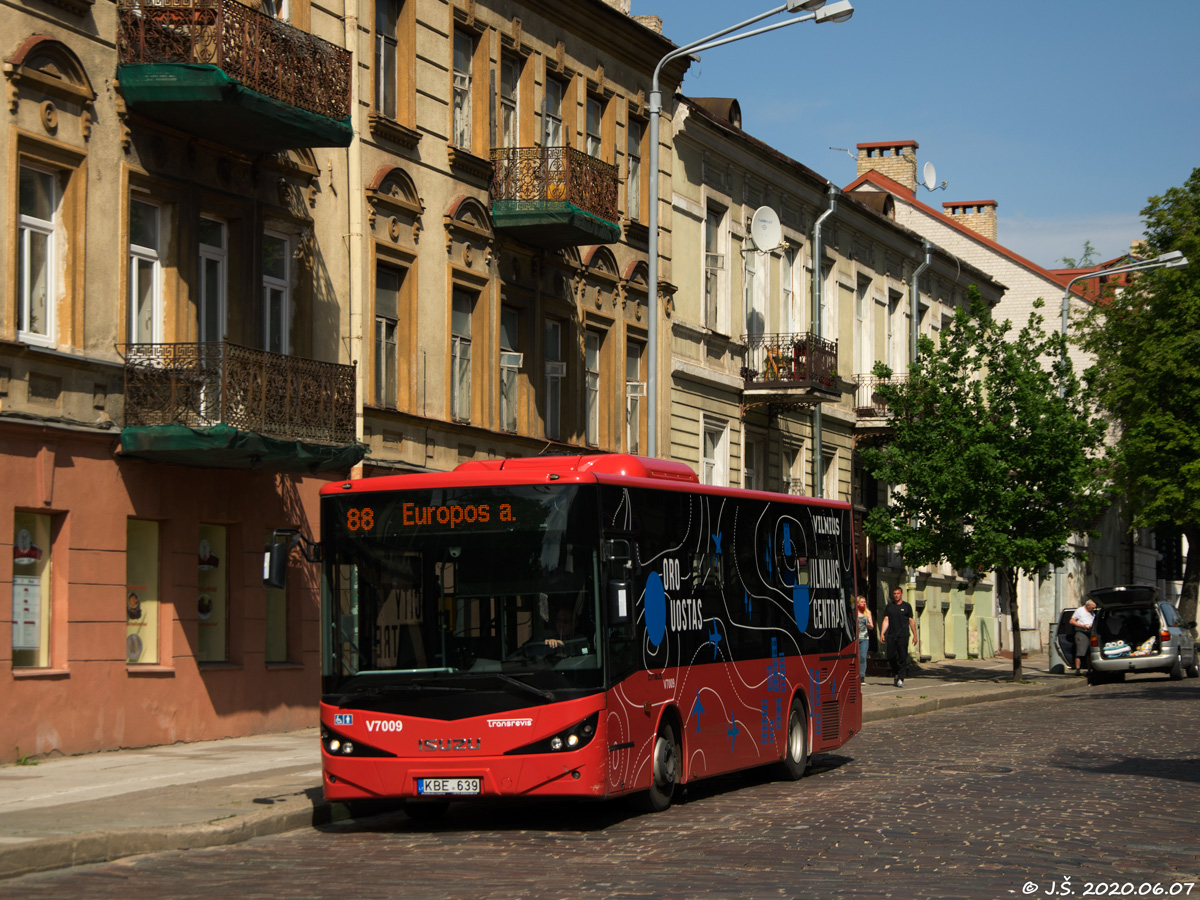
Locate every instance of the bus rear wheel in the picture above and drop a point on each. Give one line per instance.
(664, 778)
(795, 759)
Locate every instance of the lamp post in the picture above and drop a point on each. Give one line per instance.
(816, 10)
(1172, 259)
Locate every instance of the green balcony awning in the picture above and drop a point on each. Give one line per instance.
(553, 224)
(204, 101)
(226, 447)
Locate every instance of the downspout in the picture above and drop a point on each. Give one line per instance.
(354, 232)
(914, 294)
(818, 255)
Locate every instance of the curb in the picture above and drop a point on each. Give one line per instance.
(1013, 692)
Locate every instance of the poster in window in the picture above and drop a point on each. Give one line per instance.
(27, 611)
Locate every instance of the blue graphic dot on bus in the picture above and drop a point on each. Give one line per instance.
(800, 605)
(656, 609)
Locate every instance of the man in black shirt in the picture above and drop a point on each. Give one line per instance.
(898, 622)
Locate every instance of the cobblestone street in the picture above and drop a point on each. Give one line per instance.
(995, 800)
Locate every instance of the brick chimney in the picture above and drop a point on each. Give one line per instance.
(622, 5)
(895, 159)
(978, 215)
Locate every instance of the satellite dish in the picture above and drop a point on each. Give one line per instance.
(765, 230)
(929, 174)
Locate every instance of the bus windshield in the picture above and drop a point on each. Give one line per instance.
(460, 587)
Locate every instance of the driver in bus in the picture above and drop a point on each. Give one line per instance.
(565, 629)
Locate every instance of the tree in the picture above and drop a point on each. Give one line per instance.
(995, 450)
(1146, 340)
(1088, 257)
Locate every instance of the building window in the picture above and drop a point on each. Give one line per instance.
(462, 307)
(276, 294)
(789, 303)
(793, 480)
(830, 473)
(862, 337)
(715, 462)
(635, 390)
(552, 113)
(751, 466)
(212, 603)
(556, 370)
(594, 114)
(212, 279)
(756, 314)
(277, 9)
(714, 267)
(591, 365)
(276, 649)
(145, 274)
(510, 365)
(387, 317)
(141, 592)
(31, 590)
(893, 358)
(37, 265)
(510, 81)
(464, 52)
(633, 178)
(387, 15)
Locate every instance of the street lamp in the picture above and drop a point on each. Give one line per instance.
(1172, 259)
(816, 10)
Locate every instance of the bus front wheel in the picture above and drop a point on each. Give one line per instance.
(664, 777)
(795, 759)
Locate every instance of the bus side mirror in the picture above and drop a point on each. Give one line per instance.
(275, 562)
(620, 593)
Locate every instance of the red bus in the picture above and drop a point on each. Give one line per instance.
(588, 626)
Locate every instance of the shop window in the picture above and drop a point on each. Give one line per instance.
(212, 602)
(37, 262)
(141, 592)
(556, 370)
(276, 292)
(276, 619)
(145, 273)
(510, 366)
(462, 308)
(31, 590)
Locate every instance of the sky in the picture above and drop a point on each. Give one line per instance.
(1070, 114)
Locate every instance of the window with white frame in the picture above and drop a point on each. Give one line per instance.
(829, 302)
(145, 273)
(556, 370)
(37, 265)
(594, 113)
(756, 307)
(633, 178)
(892, 356)
(714, 267)
(464, 52)
(635, 390)
(793, 478)
(510, 365)
(788, 304)
(591, 365)
(462, 308)
(213, 269)
(714, 463)
(864, 349)
(387, 16)
(552, 114)
(752, 465)
(387, 322)
(276, 292)
(830, 473)
(510, 79)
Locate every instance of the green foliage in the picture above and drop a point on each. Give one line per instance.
(994, 446)
(1088, 258)
(1146, 342)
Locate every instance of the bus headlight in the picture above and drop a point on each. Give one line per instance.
(576, 737)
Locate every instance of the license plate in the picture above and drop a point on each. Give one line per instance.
(427, 786)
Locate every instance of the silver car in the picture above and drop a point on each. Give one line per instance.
(1134, 631)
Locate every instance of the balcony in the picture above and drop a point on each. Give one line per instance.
(229, 73)
(554, 197)
(793, 368)
(869, 407)
(225, 406)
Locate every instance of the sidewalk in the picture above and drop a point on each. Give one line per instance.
(88, 809)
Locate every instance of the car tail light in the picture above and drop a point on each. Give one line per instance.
(1165, 635)
(1095, 641)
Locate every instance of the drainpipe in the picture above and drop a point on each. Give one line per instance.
(914, 293)
(354, 214)
(818, 307)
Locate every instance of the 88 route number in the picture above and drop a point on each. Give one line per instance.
(360, 519)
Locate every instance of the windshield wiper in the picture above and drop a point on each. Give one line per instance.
(528, 688)
(377, 689)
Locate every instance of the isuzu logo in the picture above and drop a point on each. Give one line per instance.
(449, 744)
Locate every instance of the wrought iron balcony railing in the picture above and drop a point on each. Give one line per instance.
(791, 363)
(273, 394)
(555, 174)
(263, 54)
(868, 405)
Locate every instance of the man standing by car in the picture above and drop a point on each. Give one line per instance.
(1082, 620)
(898, 622)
